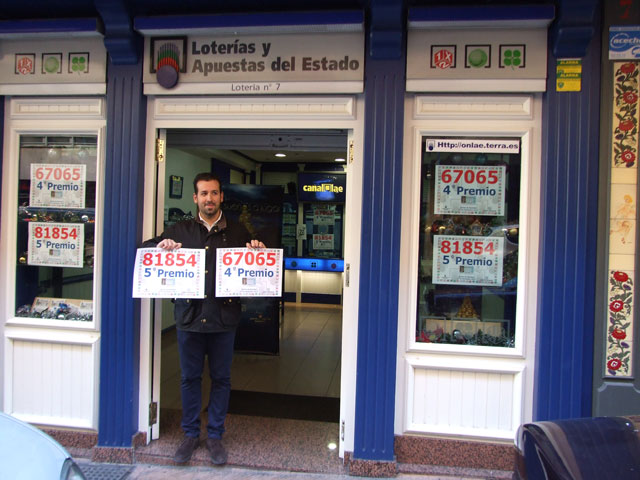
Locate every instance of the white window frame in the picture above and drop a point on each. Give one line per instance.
(511, 116)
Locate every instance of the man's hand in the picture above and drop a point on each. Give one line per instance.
(168, 244)
(255, 244)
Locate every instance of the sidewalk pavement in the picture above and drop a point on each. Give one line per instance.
(95, 471)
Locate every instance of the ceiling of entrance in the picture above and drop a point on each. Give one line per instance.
(261, 145)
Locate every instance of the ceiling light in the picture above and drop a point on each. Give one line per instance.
(332, 446)
(340, 160)
(281, 155)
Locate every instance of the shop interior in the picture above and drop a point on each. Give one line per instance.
(287, 360)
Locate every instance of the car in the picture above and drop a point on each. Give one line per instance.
(594, 448)
(27, 453)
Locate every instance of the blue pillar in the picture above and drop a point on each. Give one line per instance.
(120, 322)
(568, 237)
(380, 241)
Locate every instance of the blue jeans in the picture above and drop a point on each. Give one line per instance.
(192, 348)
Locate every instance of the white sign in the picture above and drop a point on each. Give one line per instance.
(472, 145)
(466, 260)
(56, 244)
(469, 190)
(624, 42)
(159, 273)
(323, 241)
(58, 186)
(246, 272)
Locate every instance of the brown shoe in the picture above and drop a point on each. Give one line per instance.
(216, 451)
(186, 449)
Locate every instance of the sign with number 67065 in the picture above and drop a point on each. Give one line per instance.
(247, 272)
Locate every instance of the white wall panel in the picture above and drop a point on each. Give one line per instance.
(467, 402)
(52, 383)
(322, 282)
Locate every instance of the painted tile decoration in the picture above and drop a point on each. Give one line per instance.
(620, 325)
(622, 224)
(625, 145)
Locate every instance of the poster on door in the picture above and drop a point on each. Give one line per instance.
(57, 185)
(56, 244)
(470, 190)
(467, 260)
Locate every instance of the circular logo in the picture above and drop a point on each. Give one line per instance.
(478, 58)
(51, 65)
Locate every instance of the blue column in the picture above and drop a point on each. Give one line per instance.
(380, 241)
(120, 322)
(570, 157)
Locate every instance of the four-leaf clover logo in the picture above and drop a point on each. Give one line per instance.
(78, 63)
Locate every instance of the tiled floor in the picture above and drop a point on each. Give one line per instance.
(308, 364)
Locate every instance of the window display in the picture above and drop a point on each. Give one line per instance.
(469, 213)
(56, 227)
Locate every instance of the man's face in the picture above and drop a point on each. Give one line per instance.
(208, 199)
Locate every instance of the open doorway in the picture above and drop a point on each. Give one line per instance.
(287, 362)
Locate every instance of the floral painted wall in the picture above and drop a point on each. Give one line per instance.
(622, 223)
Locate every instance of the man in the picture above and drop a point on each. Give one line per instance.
(205, 327)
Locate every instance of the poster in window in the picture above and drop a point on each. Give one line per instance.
(57, 185)
(324, 214)
(323, 241)
(470, 190)
(467, 260)
(56, 244)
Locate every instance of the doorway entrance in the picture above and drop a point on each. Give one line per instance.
(287, 353)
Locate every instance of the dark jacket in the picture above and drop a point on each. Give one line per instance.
(210, 314)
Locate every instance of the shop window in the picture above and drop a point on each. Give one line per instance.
(324, 226)
(56, 227)
(468, 257)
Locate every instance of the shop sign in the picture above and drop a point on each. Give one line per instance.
(57, 186)
(159, 273)
(25, 63)
(322, 187)
(624, 43)
(467, 260)
(256, 64)
(504, 59)
(245, 272)
(56, 244)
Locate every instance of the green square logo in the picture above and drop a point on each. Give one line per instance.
(79, 62)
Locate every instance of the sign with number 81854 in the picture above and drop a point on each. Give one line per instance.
(466, 260)
(159, 273)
